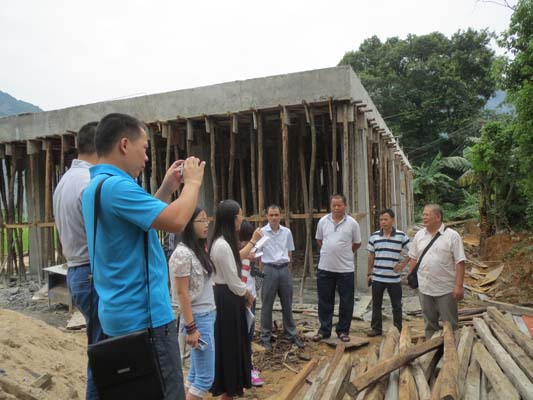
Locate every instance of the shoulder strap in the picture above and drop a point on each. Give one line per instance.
(426, 249)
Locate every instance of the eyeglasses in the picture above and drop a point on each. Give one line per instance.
(202, 221)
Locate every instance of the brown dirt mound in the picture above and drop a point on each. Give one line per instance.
(30, 348)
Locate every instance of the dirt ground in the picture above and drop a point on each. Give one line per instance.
(33, 340)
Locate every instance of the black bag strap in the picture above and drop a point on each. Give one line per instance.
(415, 270)
(95, 222)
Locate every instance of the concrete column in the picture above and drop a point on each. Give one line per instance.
(363, 201)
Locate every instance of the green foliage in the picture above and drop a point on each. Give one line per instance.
(430, 88)
(467, 209)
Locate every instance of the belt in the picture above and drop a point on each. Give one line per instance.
(278, 266)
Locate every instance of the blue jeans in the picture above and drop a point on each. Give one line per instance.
(326, 282)
(168, 352)
(80, 287)
(202, 369)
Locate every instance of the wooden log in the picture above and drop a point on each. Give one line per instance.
(377, 391)
(308, 258)
(10, 387)
(391, 392)
(291, 388)
(212, 156)
(472, 385)
(483, 395)
(371, 360)
(429, 361)
(253, 177)
(337, 378)
(446, 384)
(285, 164)
(512, 330)
(422, 386)
(385, 367)
(318, 382)
(319, 386)
(153, 159)
(464, 350)
(504, 388)
(167, 132)
(516, 352)
(312, 167)
(507, 364)
(407, 387)
(345, 153)
(260, 167)
(511, 308)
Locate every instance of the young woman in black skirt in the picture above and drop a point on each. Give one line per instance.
(232, 342)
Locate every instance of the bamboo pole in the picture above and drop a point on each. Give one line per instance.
(310, 117)
(253, 150)
(308, 261)
(260, 167)
(285, 121)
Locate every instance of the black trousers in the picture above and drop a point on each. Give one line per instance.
(395, 294)
(327, 282)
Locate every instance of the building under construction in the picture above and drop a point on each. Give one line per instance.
(290, 140)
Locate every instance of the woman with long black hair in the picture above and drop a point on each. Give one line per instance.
(191, 271)
(232, 343)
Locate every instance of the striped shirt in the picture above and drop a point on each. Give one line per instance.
(387, 253)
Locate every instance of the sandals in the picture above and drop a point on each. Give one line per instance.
(317, 338)
(344, 337)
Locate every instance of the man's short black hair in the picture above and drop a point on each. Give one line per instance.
(273, 206)
(113, 127)
(387, 211)
(339, 196)
(85, 138)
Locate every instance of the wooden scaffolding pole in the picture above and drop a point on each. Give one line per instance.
(285, 121)
(234, 123)
(334, 147)
(308, 257)
(153, 157)
(260, 168)
(345, 153)
(253, 178)
(210, 128)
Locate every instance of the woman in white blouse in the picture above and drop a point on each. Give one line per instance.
(191, 271)
(232, 342)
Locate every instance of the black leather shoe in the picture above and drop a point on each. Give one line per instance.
(373, 333)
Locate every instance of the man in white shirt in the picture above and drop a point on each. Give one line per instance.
(338, 235)
(71, 229)
(278, 280)
(441, 271)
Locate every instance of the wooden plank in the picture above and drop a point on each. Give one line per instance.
(511, 308)
(500, 383)
(291, 388)
(513, 371)
(516, 352)
(492, 276)
(212, 156)
(345, 153)
(260, 167)
(253, 172)
(512, 330)
(231, 167)
(352, 344)
(285, 164)
(446, 384)
(464, 350)
(472, 385)
(407, 386)
(334, 165)
(519, 321)
(337, 378)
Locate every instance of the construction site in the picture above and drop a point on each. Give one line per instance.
(291, 140)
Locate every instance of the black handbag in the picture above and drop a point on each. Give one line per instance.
(412, 277)
(127, 366)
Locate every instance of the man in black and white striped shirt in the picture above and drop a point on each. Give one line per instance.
(385, 248)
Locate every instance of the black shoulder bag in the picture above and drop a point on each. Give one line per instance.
(127, 366)
(412, 278)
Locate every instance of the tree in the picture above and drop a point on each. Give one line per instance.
(429, 88)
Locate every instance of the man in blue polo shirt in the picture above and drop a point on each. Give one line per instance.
(117, 256)
(384, 266)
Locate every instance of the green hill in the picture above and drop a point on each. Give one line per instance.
(11, 106)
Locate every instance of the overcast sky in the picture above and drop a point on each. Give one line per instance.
(57, 54)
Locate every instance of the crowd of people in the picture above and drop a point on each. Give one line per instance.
(203, 285)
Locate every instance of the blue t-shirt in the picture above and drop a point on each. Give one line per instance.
(126, 212)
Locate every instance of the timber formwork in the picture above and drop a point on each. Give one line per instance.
(290, 140)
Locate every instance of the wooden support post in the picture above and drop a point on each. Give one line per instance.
(253, 150)
(62, 157)
(308, 260)
(11, 253)
(231, 168)
(190, 136)
(500, 383)
(48, 200)
(334, 165)
(167, 131)
(260, 167)
(386, 366)
(407, 387)
(446, 384)
(213, 165)
(519, 355)
(242, 183)
(19, 212)
(512, 330)
(309, 221)
(285, 121)
(345, 153)
(153, 156)
(513, 371)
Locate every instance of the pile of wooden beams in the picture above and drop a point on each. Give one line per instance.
(492, 359)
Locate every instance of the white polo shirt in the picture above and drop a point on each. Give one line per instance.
(276, 249)
(336, 253)
(436, 273)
